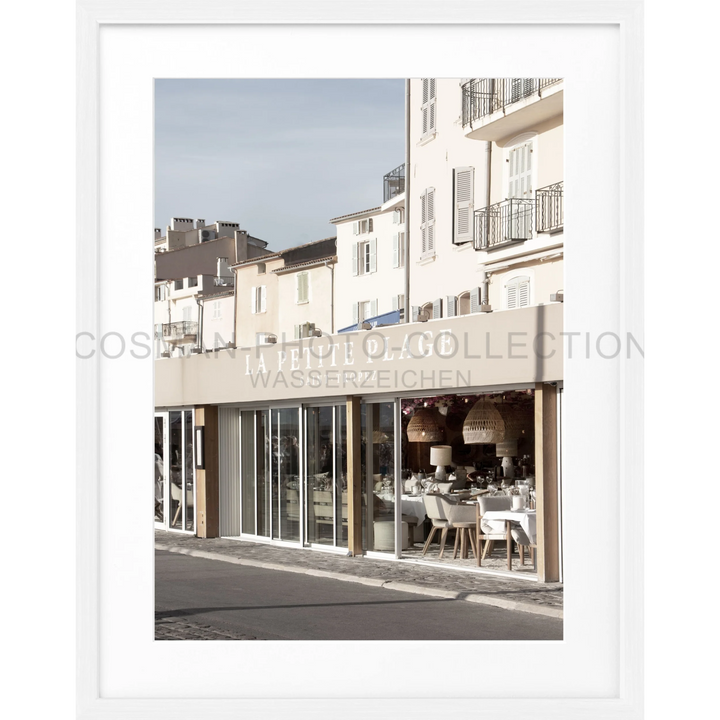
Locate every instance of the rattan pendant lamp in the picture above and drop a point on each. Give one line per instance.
(423, 427)
(483, 424)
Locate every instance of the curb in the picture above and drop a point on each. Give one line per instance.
(398, 585)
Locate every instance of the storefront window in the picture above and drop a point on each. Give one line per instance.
(247, 470)
(286, 474)
(379, 444)
(181, 470)
(262, 479)
(159, 469)
(326, 487)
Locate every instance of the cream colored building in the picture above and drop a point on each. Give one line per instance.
(192, 265)
(371, 258)
(286, 295)
(485, 194)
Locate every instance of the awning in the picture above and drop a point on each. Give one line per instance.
(391, 318)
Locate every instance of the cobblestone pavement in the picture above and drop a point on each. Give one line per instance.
(170, 628)
(510, 593)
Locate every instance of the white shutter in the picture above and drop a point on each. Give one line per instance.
(356, 228)
(415, 312)
(298, 331)
(512, 296)
(253, 300)
(373, 308)
(451, 305)
(425, 105)
(356, 313)
(302, 287)
(431, 106)
(524, 294)
(370, 225)
(437, 308)
(431, 219)
(464, 189)
(475, 300)
(263, 298)
(396, 250)
(400, 301)
(373, 255)
(518, 292)
(423, 221)
(355, 259)
(396, 217)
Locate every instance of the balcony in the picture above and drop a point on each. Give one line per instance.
(549, 214)
(394, 183)
(497, 108)
(224, 281)
(504, 223)
(179, 332)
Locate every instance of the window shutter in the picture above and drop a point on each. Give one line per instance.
(373, 255)
(415, 312)
(431, 220)
(425, 105)
(431, 106)
(370, 225)
(475, 300)
(355, 259)
(263, 298)
(400, 300)
(451, 305)
(396, 250)
(423, 221)
(464, 187)
(302, 287)
(356, 228)
(298, 329)
(253, 300)
(437, 308)
(524, 294)
(373, 308)
(396, 217)
(512, 296)
(356, 313)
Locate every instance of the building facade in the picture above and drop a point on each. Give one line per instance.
(371, 259)
(306, 431)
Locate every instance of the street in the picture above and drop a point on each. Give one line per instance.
(204, 599)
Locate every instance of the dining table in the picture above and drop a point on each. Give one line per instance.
(503, 520)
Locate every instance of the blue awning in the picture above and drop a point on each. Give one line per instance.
(391, 318)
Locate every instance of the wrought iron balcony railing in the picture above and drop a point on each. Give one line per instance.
(484, 96)
(180, 330)
(549, 213)
(394, 183)
(505, 222)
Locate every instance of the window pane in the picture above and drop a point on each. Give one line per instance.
(319, 488)
(189, 461)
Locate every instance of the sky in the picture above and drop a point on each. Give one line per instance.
(280, 157)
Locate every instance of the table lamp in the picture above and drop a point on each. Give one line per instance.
(440, 456)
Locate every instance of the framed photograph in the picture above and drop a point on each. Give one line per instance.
(589, 54)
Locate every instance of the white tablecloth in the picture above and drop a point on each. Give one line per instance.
(526, 518)
(414, 506)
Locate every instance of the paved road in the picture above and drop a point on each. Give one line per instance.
(203, 599)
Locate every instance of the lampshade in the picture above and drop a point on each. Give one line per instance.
(440, 455)
(483, 424)
(423, 427)
(518, 420)
(506, 448)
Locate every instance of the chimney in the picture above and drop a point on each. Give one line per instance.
(158, 233)
(241, 245)
(182, 224)
(199, 224)
(223, 269)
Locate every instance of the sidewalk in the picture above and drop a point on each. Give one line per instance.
(507, 593)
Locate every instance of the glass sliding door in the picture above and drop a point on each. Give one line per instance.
(175, 470)
(378, 440)
(160, 453)
(326, 505)
(285, 473)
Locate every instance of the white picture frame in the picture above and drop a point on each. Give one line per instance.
(97, 313)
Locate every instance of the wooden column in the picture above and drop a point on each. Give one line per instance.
(546, 482)
(208, 480)
(354, 477)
